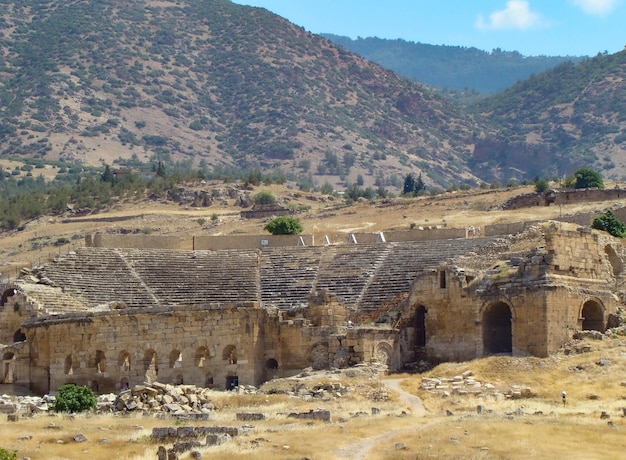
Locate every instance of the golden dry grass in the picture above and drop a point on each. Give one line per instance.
(537, 427)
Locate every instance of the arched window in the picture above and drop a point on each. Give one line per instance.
(230, 354)
(202, 356)
(68, 369)
(176, 359)
(123, 361)
(101, 362)
(19, 336)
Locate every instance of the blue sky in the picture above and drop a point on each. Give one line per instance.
(532, 27)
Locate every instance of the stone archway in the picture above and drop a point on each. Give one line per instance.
(384, 354)
(592, 315)
(497, 330)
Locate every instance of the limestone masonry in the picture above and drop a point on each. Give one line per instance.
(112, 318)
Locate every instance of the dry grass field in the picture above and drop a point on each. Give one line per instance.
(448, 427)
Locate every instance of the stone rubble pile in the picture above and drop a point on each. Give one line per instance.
(25, 405)
(176, 400)
(466, 384)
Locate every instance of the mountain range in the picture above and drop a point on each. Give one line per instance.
(217, 85)
(451, 67)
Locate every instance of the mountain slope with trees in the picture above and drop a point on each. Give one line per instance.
(555, 122)
(215, 85)
(166, 86)
(453, 67)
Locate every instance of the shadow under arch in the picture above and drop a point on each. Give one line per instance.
(497, 329)
(592, 316)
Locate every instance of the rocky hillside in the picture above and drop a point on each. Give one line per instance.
(557, 121)
(214, 84)
(220, 86)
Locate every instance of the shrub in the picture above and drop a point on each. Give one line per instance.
(73, 398)
(608, 222)
(284, 226)
(541, 185)
(6, 455)
(264, 197)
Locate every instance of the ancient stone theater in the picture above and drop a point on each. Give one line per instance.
(111, 316)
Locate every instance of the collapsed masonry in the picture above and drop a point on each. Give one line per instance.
(115, 318)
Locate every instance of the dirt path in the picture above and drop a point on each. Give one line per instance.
(358, 450)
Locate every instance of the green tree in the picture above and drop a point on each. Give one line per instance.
(284, 226)
(588, 178)
(413, 186)
(409, 184)
(107, 175)
(541, 185)
(264, 197)
(609, 223)
(74, 398)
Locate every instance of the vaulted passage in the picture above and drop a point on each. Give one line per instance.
(593, 316)
(497, 333)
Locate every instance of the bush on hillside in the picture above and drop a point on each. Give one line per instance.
(264, 197)
(608, 222)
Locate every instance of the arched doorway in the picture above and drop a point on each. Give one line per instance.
(593, 316)
(497, 332)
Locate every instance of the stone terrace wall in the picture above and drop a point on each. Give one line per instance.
(425, 234)
(102, 240)
(250, 241)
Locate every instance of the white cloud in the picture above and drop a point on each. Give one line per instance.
(596, 7)
(516, 15)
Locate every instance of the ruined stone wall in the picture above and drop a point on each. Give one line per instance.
(587, 262)
(565, 196)
(104, 350)
(451, 332)
(205, 347)
(455, 319)
(13, 313)
(581, 252)
(296, 345)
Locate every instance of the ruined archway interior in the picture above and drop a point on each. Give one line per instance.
(497, 332)
(593, 316)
